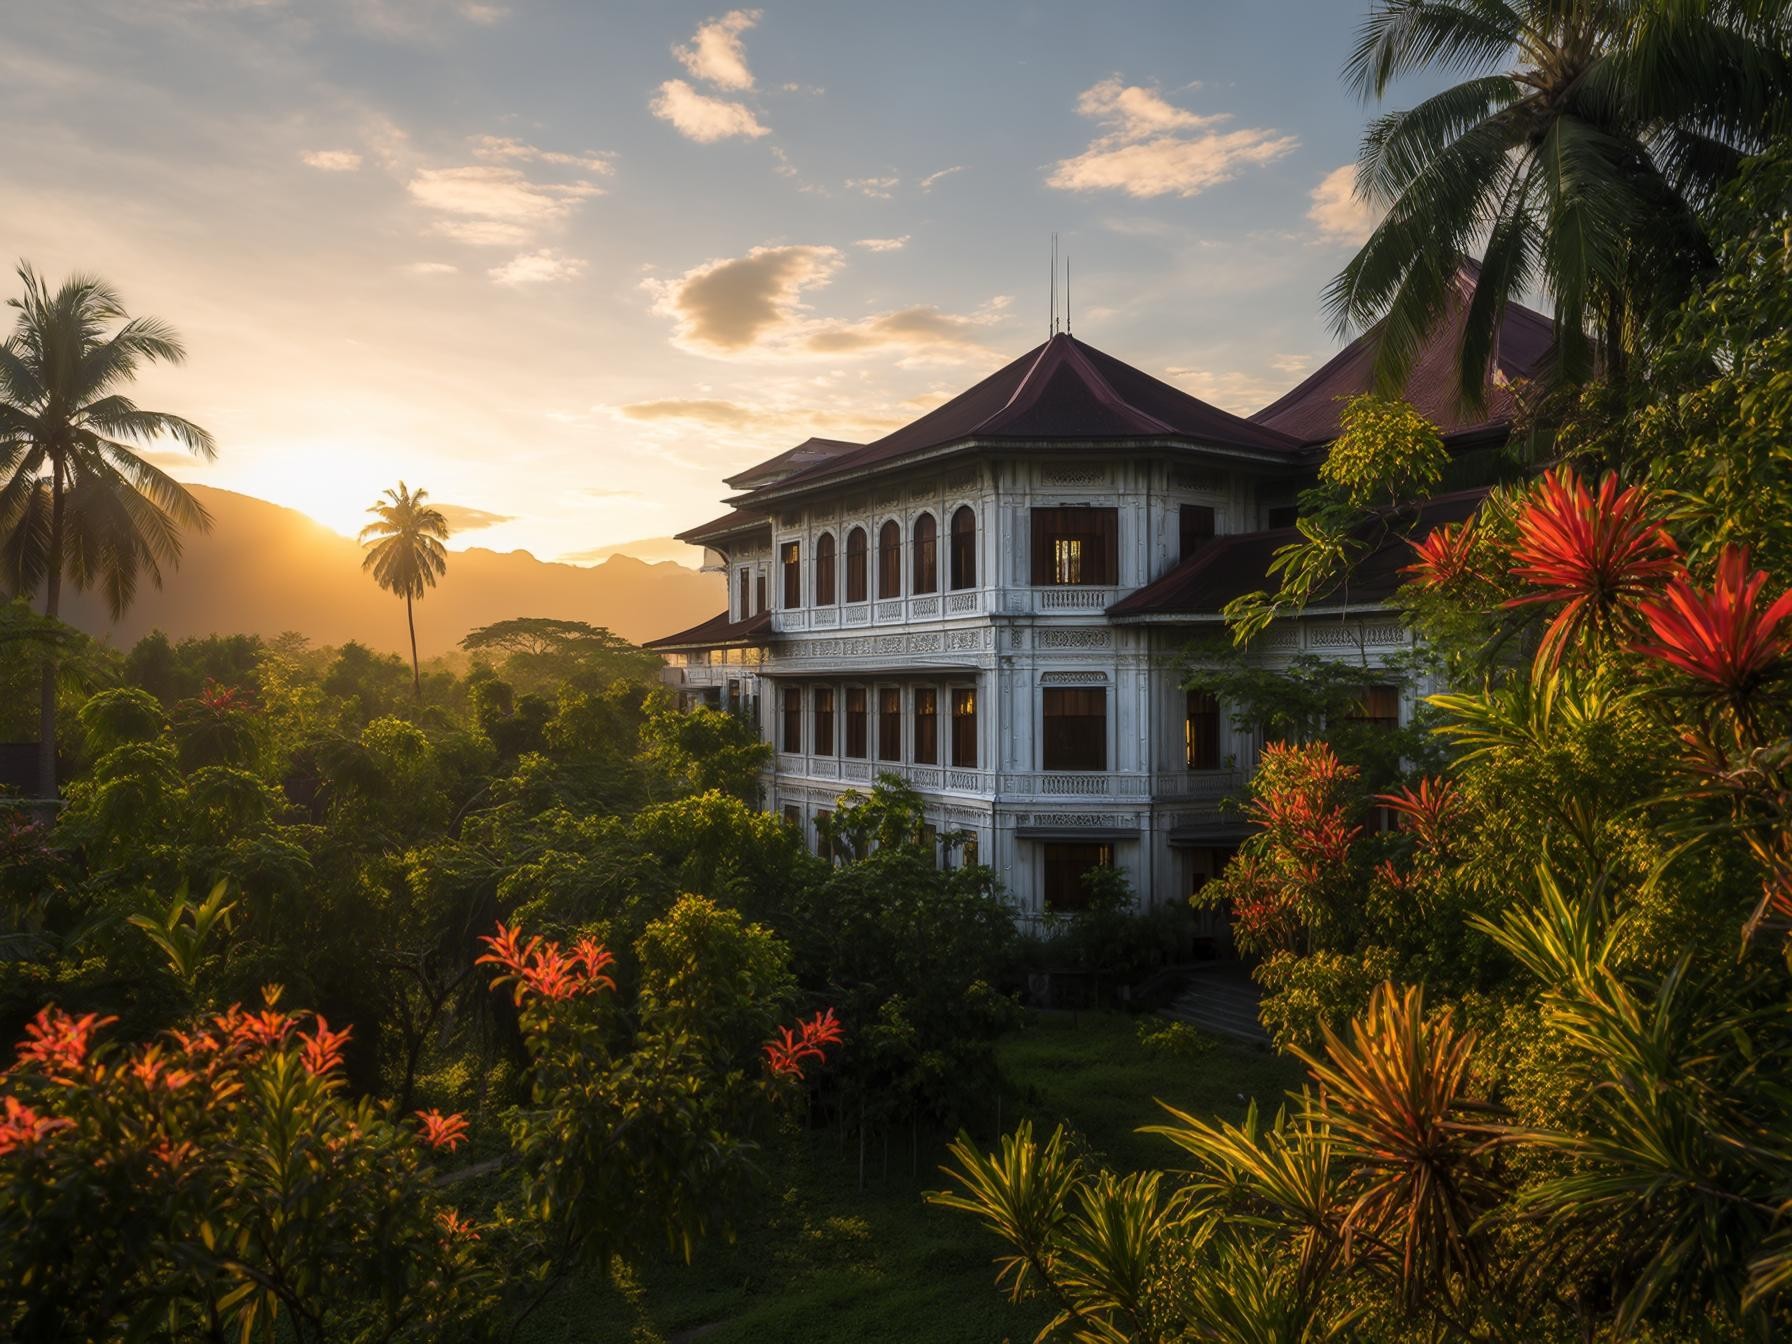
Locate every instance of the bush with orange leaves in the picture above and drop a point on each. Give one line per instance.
(216, 1182)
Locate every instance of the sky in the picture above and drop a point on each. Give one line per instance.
(568, 265)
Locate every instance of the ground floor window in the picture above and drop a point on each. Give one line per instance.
(1061, 871)
(1380, 706)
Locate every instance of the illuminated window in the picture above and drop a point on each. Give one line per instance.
(1076, 546)
(1201, 731)
(927, 726)
(964, 728)
(790, 559)
(793, 719)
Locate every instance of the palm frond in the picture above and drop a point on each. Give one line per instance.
(1402, 37)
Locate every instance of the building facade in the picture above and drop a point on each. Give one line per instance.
(1001, 602)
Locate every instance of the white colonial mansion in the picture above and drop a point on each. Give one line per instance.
(996, 603)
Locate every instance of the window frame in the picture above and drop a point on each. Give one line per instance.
(821, 718)
(888, 719)
(889, 560)
(1073, 742)
(924, 577)
(858, 587)
(827, 578)
(1062, 855)
(926, 739)
(1055, 534)
(1201, 752)
(790, 560)
(855, 739)
(792, 741)
(964, 728)
(962, 549)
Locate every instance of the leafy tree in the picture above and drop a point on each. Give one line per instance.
(701, 749)
(538, 652)
(76, 498)
(405, 555)
(1582, 147)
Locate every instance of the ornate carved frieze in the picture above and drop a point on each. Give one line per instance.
(1081, 637)
(1073, 678)
(1072, 475)
(1090, 819)
(1198, 478)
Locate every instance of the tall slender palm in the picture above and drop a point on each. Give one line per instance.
(405, 554)
(75, 496)
(1577, 155)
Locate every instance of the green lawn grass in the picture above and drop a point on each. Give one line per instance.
(823, 1261)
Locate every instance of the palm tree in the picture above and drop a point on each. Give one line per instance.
(1577, 155)
(405, 554)
(75, 497)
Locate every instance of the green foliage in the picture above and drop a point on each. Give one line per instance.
(702, 749)
(1385, 453)
(540, 654)
(1173, 1040)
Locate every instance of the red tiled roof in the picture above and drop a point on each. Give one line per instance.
(715, 631)
(1063, 389)
(1231, 566)
(1310, 412)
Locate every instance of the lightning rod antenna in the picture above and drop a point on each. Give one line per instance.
(1067, 294)
(1051, 323)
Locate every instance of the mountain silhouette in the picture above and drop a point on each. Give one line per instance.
(264, 569)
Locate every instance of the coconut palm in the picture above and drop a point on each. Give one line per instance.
(1577, 155)
(76, 499)
(405, 554)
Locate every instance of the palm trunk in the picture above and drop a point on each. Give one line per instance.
(46, 707)
(416, 675)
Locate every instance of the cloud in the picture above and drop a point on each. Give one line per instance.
(1336, 211)
(716, 53)
(429, 268)
(883, 244)
(1149, 147)
(755, 306)
(545, 266)
(728, 304)
(332, 160)
(699, 117)
(878, 188)
(923, 332)
(492, 205)
(465, 518)
(1291, 363)
(505, 147)
(695, 410)
(1229, 389)
(927, 183)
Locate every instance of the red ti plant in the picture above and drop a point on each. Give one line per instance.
(1597, 554)
(1445, 555)
(785, 1055)
(1727, 637)
(1429, 811)
(215, 1182)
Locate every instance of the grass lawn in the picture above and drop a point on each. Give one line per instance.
(823, 1261)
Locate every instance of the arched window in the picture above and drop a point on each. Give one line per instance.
(824, 570)
(927, 555)
(855, 565)
(889, 559)
(963, 571)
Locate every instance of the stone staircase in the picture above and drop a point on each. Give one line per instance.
(1221, 998)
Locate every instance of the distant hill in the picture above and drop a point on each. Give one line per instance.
(264, 569)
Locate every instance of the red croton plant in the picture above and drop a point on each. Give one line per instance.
(218, 1179)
